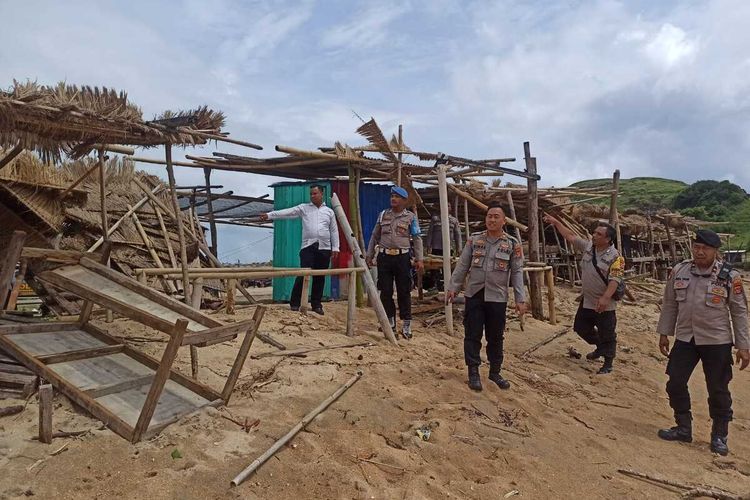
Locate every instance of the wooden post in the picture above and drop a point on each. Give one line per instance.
(12, 154)
(8, 270)
(103, 195)
(211, 220)
(614, 218)
(550, 278)
(13, 299)
(197, 295)
(670, 240)
(400, 155)
(354, 223)
(45, 413)
(161, 376)
(305, 298)
(535, 280)
(446, 236)
(359, 260)
(351, 311)
(168, 286)
(232, 284)
(466, 222)
(239, 361)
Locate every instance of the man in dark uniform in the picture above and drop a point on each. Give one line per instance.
(700, 297)
(602, 271)
(434, 246)
(493, 259)
(395, 231)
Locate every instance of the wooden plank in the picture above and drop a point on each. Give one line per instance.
(153, 430)
(110, 419)
(47, 326)
(16, 380)
(153, 363)
(95, 352)
(160, 379)
(13, 368)
(239, 361)
(45, 413)
(220, 333)
(95, 296)
(11, 256)
(88, 305)
(119, 386)
(153, 295)
(13, 298)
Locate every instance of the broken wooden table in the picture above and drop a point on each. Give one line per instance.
(134, 394)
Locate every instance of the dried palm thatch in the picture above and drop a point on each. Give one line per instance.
(66, 119)
(374, 135)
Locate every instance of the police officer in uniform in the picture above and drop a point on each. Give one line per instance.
(493, 259)
(701, 296)
(602, 271)
(434, 246)
(394, 232)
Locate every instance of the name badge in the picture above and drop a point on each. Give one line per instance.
(718, 291)
(681, 284)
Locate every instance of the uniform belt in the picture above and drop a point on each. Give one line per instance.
(394, 251)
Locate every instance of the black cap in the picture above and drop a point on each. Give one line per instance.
(707, 237)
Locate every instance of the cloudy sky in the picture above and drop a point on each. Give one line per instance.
(654, 88)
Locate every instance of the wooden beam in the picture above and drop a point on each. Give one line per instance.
(160, 378)
(168, 286)
(123, 385)
(239, 361)
(535, 281)
(446, 236)
(351, 310)
(212, 222)
(94, 352)
(45, 413)
(12, 254)
(12, 154)
(16, 289)
(614, 218)
(180, 228)
(114, 226)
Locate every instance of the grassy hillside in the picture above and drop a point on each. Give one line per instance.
(640, 192)
(651, 193)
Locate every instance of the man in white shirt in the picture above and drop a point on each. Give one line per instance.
(320, 242)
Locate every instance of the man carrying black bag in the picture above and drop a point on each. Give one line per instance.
(602, 272)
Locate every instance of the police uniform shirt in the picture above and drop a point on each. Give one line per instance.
(491, 263)
(699, 306)
(394, 230)
(612, 267)
(434, 238)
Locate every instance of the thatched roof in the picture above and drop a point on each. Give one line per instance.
(65, 119)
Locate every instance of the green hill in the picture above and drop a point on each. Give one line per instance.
(716, 201)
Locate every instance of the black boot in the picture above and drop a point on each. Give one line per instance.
(607, 366)
(683, 431)
(475, 382)
(498, 379)
(719, 433)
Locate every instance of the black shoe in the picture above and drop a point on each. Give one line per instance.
(719, 432)
(406, 329)
(606, 367)
(294, 308)
(719, 445)
(318, 310)
(475, 382)
(593, 355)
(683, 431)
(499, 380)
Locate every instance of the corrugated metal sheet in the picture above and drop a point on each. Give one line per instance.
(287, 234)
(373, 199)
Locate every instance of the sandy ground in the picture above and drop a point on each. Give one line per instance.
(561, 431)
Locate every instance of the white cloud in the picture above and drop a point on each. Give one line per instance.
(367, 28)
(670, 47)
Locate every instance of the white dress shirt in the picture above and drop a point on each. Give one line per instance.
(318, 224)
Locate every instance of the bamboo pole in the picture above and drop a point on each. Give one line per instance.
(550, 278)
(114, 226)
(535, 282)
(445, 229)
(512, 208)
(359, 260)
(211, 220)
(354, 222)
(351, 311)
(168, 287)
(165, 235)
(614, 218)
(509, 220)
(293, 432)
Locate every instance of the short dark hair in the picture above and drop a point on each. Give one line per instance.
(495, 204)
(318, 187)
(611, 231)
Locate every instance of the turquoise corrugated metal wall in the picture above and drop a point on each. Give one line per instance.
(287, 234)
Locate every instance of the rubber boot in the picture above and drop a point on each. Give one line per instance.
(683, 431)
(475, 382)
(606, 367)
(719, 433)
(497, 378)
(406, 329)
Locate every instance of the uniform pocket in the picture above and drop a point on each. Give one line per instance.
(402, 229)
(502, 261)
(680, 295)
(477, 257)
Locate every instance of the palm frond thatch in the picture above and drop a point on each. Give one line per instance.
(374, 135)
(66, 119)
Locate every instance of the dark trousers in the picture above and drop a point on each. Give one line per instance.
(488, 318)
(398, 268)
(717, 368)
(597, 329)
(316, 259)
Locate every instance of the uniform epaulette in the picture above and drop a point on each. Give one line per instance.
(478, 233)
(511, 238)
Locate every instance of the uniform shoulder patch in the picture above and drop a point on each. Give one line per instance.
(737, 287)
